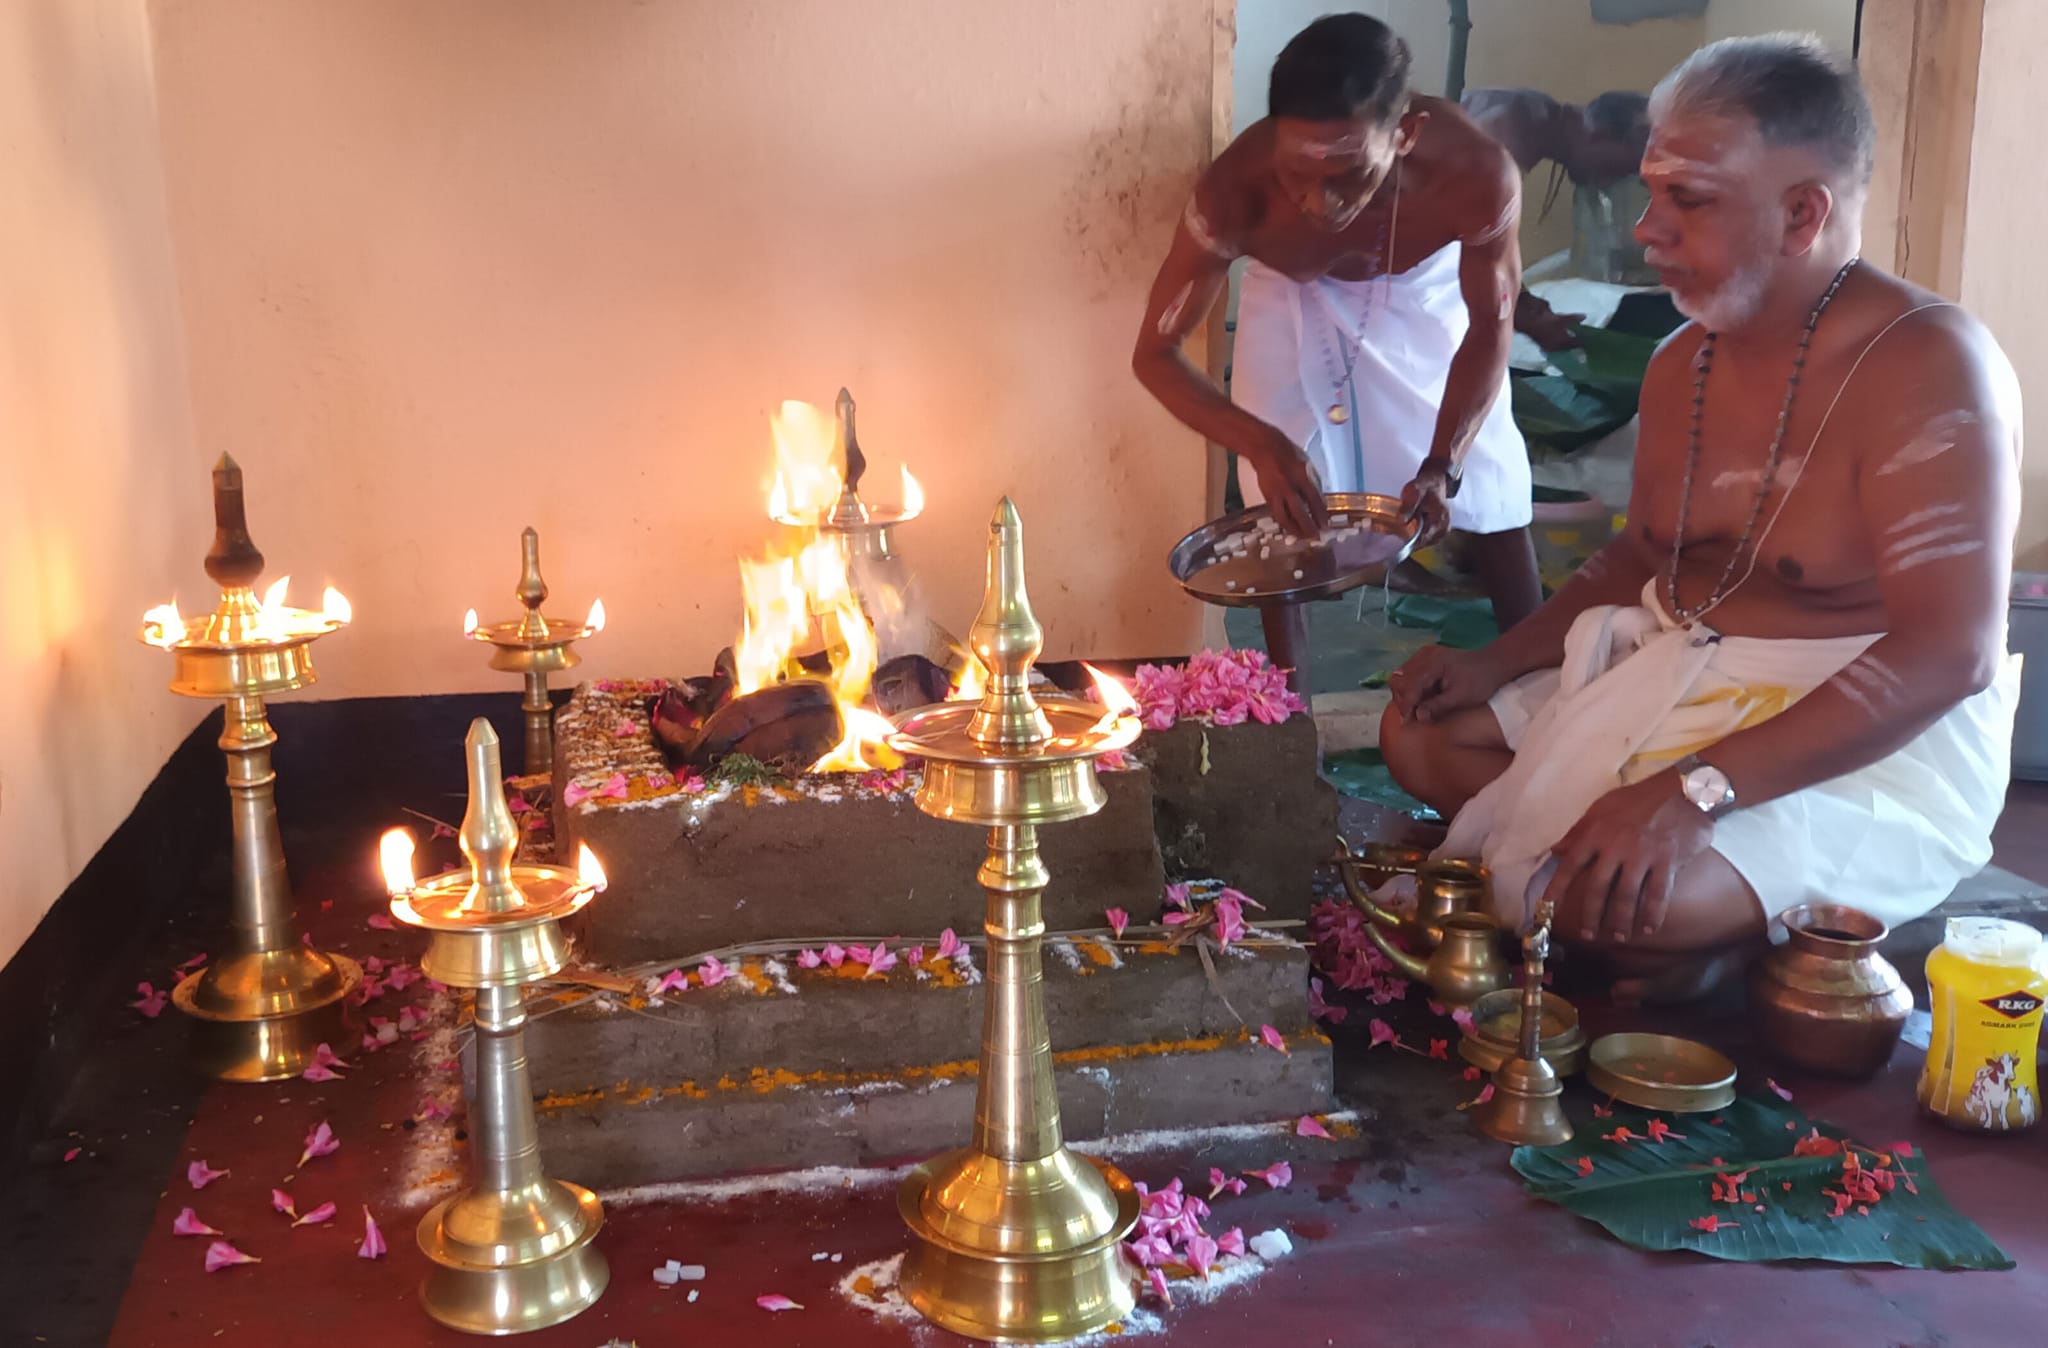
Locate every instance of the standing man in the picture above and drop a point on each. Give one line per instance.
(1596, 146)
(1376, 312)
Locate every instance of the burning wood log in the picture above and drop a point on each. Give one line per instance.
(907, 682)
(788, 726)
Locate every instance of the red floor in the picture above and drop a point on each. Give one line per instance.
(1414, 1231)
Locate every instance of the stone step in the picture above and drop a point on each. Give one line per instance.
(609, 1139)
(773, 1022)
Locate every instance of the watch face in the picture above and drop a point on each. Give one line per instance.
(1706, 787)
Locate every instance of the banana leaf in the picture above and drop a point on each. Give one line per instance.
(1648, 1193)
(1552, 410)
(1607, 362)
(1362, 774)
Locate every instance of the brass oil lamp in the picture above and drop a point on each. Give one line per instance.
(534, 646)
(1019, 1239)
(1527, 1106)
(513, 1252)
(259, 1011)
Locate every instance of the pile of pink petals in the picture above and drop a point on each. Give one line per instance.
(1170, 1230)
(1220, 687)
(1352, 962)
(1185, 902)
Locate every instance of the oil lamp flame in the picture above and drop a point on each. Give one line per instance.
(973, 681)
(334, 606)
(778, 500)
(394, 851)
(164, 625)
(588, 870)
(913, 496)
(469, 623)
(1114, 695)
(595, 622)
(274, 597)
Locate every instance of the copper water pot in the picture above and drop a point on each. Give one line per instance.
(1823, 998)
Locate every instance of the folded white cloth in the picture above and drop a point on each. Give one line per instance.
(1637, 692)
(1398, 333)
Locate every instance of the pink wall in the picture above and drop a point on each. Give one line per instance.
(451, 269)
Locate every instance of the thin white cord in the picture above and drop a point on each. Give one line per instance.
(1757, 550)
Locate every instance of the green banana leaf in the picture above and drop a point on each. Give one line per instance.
(1610, 363)
(1551, 410)
(1463, 624)
(1362, 774)
(1647, 1193)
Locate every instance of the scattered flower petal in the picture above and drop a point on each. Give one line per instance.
(776, 1302)
(72, 1155)
(381, 921)
(280, 1201)
(151, 1003)
(187, 1223)
(1273, 1040)
(1321, 1009)
(1309, 1127)
(1277, 1175)
(614, 788)
(1440, 1048)
(1780, 1091)
(711, 972)
(880, 960)
(808, 959)
(373, 1239)
(1152, 1250)
(1709, 1224)
(1601, 1111)
(1201, 1253)
(1585, 1165)
(949, 944)
(914, 956)
(199, 1174)
(1218, 1182)
(835, 956)
(323, 1213)
(1231, 1241)
(1462, 1018)
(1621, 1136)
(1118, 920)
(220, 1255)
(1472, 1074)
(189, 965)
(317, 1072)
(319, 1142)
(1157, 1278)
(444, 831)
(1659, 1130)
(675, 980)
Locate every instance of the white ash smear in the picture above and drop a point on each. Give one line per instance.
(886, 1302)
(1068, 956)
(779, 973)
(1116, 960)
(432, 1168)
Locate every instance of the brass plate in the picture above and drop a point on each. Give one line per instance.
(1327, 568)
(1497, 1030)
(1660, 1071)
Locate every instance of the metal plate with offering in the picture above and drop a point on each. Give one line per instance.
(1660, 1071)
(1245, 559)
(1497, 1030)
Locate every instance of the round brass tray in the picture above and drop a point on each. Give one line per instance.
(1497, 1032)
(1660, 1071)
(1328, 567)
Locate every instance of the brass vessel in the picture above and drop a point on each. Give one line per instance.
(534, 646)
(1465, 965)
(1442, 889)
(1824, 998)
(1018, 1238)
(259, 1010)
(513, 1251)
(1660, 1071)
(1496, 1033)
(1527, 1106)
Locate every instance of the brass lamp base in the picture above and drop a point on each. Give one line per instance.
(510, 1262)
(259, 1016)
(1018, 1252)
(1527, 1108)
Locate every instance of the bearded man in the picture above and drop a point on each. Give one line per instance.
(1787, 681)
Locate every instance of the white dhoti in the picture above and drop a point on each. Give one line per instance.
(1398, 333)
(1636, 693)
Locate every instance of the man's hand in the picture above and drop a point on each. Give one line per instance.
(1551, 330)
(1618, 864)
(1288, 482)
(1428, 499)
(1438, 681)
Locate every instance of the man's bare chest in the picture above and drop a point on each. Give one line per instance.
(1378, 242)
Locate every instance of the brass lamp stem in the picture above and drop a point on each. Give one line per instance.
(540, 723)
(1016, 1108)
(262, 891)
(507, 1146)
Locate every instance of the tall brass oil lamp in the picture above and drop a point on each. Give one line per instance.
(534, 647)
(258, 1011)
(513, 1251)
(1018, 1238)
(1527, 1107)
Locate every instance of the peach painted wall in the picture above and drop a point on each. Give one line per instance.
(454, 268)
(97, 454)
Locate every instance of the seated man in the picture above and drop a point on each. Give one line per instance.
(1596, 146)
(1786, 681)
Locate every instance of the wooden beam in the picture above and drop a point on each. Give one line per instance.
(1919, 62)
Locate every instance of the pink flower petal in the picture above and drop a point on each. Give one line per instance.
(199, 1174)
(859, 954)
(187, 1223)
(1309, 1127)
(1176, 918)
(151, 1003)
(1463, 1018)
(373, 1239)
(1485, 1094)
(401, 977)
(1177, 896)
(381, 921)
(191, 964)
(220, 1255)
(430, 1110)
(1118, 920)
(776, 1302)
(1152, 1250)
(624, 729)
(1273, 1040)
(949, 944)
(280, 1201)
(1218, 1182)
(318, 1073)
(711, 973)
(1201, 1252)
(834, 956)
(881, 961)
(1780, 1091)
(675, 980)
(575, 793)
(514, 805)
(914, 956)
(319, 1215)
(1231, 1241)
(1277, 1175)
(444, 831)
(808, 959)
(319, 1142)
(1158, 1281)
(72, 1155)
(615, 787)
(1383, 1033)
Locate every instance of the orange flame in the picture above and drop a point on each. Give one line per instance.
(807, 469)
(587, 869)
(913, 496)
(163, 625)
(394, 852)
(1114, 695)
(334, 606)
(469, 622)
(973, 681)
(595, 622)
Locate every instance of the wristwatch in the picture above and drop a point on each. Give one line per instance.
(1706, 786)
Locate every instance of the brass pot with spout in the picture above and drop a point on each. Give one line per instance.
(1465, 965)
(1442, 889)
